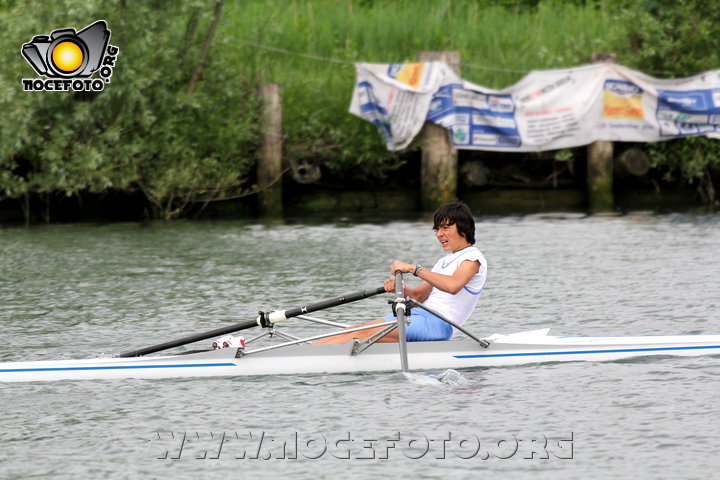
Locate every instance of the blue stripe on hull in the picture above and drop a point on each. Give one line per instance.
(585, 352)
(114, 367)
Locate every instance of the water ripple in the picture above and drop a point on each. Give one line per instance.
(78, 290)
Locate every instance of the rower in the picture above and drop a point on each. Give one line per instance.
(451, 287)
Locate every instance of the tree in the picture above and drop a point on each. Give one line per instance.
(144, 131)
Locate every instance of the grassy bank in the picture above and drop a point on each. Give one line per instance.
(310, 47)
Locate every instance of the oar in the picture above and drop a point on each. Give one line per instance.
(191, 339)
(263, 320)
(280, 315)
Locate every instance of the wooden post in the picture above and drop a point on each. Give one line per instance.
(439, 163)
(600, 162)
(269, 169)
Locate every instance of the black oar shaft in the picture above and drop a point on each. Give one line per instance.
(333, 302)
(190, 339)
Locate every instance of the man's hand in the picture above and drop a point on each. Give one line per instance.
(403, 267)
(390, 285)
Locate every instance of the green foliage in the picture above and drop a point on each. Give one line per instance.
(693, 159)
(143, 132)
(675, 38)
(689, 157)
(670, 38)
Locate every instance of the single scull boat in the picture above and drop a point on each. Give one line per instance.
(297, 356)
(514, 349)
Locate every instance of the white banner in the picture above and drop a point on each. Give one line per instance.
(546, 110)
(396, 97)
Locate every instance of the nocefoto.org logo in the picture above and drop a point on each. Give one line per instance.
(67, 59)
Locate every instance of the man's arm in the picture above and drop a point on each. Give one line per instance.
(447, 283)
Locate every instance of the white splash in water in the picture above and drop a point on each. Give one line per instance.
(448, 377)
(454, 378)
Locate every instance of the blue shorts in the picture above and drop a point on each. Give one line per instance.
(424, 327)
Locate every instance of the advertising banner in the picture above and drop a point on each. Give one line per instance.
(396, 97)
(546, 110)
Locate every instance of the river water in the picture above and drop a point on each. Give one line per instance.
(73, 291)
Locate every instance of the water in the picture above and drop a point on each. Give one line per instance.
(83, 291)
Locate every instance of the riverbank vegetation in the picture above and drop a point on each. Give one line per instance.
(178, 128)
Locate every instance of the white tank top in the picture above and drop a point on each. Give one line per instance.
(458, 307)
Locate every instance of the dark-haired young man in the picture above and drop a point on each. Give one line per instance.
(451, 288)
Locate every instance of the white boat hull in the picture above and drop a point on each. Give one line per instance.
(515, 349)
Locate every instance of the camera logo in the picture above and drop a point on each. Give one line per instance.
(68, 59)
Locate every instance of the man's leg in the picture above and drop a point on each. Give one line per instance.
(361, 335)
